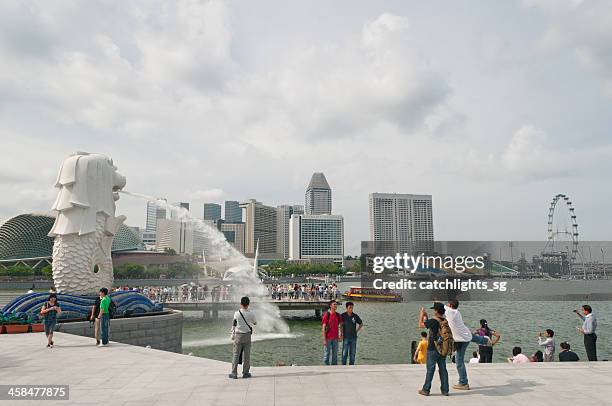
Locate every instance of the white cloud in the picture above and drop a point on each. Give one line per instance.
(169, 91)
(210, 195)
(585, 27)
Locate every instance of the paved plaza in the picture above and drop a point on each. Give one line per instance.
(121, 374)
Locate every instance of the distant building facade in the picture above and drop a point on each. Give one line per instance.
(260, 227)
(182, 205)
(154, 213)
(318, 197)
(212, 211)
(233, 212)
(284, 213)
(174, 235)
(401, 219)
(234, 234)
(316, 237)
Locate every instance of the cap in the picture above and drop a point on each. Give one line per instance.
(439, 307)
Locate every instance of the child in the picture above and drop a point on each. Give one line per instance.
(546, 340)
(420, 355)
(475, 359)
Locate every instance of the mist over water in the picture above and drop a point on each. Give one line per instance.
(240, 275)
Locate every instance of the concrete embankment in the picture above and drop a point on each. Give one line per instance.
(121, 374)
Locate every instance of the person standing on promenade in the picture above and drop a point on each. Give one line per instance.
(548, 342)
(50, 311)
(588, 328)
(462, 337)
(95, 310)
(330, 327)
(486, 352)
(242, 329)
(350, 326)
(420, 355)
(438, 330)
(104, 315)
(566, 354)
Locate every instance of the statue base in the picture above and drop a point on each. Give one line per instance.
(79, 307)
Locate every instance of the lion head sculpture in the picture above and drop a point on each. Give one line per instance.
(85, 223)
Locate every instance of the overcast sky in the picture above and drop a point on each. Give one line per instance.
(493, 107)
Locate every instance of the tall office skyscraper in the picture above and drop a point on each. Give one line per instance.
(212, 211)
(284, 213)
(318, 195)
(154, 213)
(401, 218)
(316, 237)
(233, 212)
(260, 226)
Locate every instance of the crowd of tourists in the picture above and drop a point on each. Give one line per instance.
(295, 291)
(182, 293)
(193, 292)
(447, 335)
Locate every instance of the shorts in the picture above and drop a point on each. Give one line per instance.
(49, 327)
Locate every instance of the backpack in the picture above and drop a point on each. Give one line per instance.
(112, 309)
(444, 341)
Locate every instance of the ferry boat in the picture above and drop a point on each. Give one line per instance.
(372, 294)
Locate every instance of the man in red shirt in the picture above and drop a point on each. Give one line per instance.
(330, 330)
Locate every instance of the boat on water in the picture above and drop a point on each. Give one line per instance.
(372, 294)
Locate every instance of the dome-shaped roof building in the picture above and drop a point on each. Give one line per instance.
(25, 237)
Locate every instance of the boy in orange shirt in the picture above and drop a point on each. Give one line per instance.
(420, 355)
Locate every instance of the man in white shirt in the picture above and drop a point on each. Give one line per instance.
(589, 325)
(462, 337)
(242, 329)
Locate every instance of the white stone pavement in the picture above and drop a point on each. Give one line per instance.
(121, 374)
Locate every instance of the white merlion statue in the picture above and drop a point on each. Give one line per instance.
(85, 223)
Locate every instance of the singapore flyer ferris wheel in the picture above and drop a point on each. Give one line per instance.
(569, 231)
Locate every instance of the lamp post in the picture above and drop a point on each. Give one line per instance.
(603, 262)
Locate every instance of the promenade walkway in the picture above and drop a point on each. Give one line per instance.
(125, 375)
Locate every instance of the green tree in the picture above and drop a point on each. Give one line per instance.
(129, 271)
(47, 272)
(18, 270)
(154, 272)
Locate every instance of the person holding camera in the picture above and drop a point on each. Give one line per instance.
(589, 325)
(50, 310)
(547, 341)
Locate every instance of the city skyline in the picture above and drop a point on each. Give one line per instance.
(492, 108)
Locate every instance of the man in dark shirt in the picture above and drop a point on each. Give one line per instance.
(567, 355)
(351, 324)
(433, 356)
